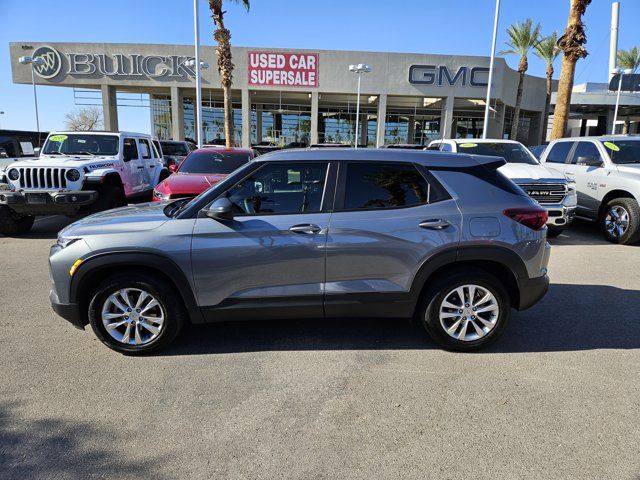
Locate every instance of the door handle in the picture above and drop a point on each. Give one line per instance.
(140, 168)
(306, 228)
(434, 224)
(570, 173)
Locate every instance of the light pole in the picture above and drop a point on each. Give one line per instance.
(33, 61)
(203, 65)
(622, 73)
(485, 128)
(360, 68)
(196, 32)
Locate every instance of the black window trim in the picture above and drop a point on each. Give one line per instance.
(341, 186)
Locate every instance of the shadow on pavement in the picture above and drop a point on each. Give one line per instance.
(46, 228)
(582, 232)
(55, 448)
(570, 317)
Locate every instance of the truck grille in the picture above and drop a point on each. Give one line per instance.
(43, 177)
(545, 193)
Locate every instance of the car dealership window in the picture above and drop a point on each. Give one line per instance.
(280, 188)
(559, 152)
(384, 185)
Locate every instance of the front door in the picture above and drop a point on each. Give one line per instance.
(587, 178)
(388, 218)
(269, 260)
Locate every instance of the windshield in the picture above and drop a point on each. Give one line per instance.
(511, 152)
(178, 149)
(213, 162)
(80, 144)
(623, 151)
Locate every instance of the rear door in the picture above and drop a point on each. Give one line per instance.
(271, 257)
(148, 162)
(133, 167)
(388, 219)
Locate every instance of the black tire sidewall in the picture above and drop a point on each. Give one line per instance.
(429, 312)
(170, 303)
(554, 232)
(13, 223)
(109, 196)
(632, 235)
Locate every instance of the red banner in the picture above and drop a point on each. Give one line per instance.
(277, 69)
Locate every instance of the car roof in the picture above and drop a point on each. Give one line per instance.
(423, 157)
(223, 150)
(478, 140)
(94, 132)
(603, 138)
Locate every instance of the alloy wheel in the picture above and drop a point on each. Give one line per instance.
(132, 316)
(469, 312)
(617, 221)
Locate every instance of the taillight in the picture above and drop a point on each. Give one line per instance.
(532, 217)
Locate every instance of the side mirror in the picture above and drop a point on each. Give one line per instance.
(173, 168)
(221, 209)
(589, 162)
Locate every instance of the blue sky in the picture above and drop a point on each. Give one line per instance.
(422, 26)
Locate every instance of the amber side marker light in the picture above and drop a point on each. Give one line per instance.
(75, 266)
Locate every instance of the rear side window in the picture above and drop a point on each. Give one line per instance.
(384, 185)
(585, 149)
(559, 152)
(446, 148)
(145, 148)
(130, 149)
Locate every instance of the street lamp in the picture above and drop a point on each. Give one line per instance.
(359, 69)
(33, 61)
(203, 65)
(485, 127)
(622, 73)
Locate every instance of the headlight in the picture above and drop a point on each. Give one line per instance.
(161, 196)
(13, 174)
(73, 175)
(571, 185)
(64, 242)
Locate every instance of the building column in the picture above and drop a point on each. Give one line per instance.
(246, 118)
(177, 114)
(109, 108)
(446, 117)
(610, 120)
(364, 128)
(412, 129)
(496, 124)
(382, 119)
(258, 123)
(314, 117)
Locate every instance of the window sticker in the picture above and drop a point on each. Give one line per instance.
(612, 146)
(58, 138)
(468, 145)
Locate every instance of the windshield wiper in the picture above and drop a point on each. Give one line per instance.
(84, 153)
(56, 153)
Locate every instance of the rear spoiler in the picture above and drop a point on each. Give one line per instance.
(473, 162)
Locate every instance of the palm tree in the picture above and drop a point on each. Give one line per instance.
(222, 35)
(571, 45)
(548, 51)
(522, 38)
(629, 59)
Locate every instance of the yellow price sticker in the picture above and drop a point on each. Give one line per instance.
(612, 146)
(58, 138)
(468, 145)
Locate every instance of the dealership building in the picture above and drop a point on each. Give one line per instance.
(303, 96)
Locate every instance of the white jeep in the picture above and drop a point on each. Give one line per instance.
(78, 173)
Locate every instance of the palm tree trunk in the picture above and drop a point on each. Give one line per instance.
(228, 117)
(571, 44)
(225, 67)
(516, 114)
(545, 115)
(627, 124)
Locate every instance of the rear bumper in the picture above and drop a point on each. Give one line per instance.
(532, 290)
(47, 203)
(69, 311)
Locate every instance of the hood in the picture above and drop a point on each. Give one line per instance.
(61, 161)
(187, 183)
(134, 218)
(525, 171)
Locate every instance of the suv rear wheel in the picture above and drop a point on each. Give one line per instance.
(621, 221)
(136, 314)
(466, 310)
(14, 224)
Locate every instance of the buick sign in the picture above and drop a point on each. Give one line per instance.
(52, 62)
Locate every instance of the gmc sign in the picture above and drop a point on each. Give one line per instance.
(441, 75)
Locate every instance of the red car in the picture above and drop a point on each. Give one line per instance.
(201, 169)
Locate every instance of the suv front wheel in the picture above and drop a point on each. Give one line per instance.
(621, 221)
(136, 314)
(466, 310)
(14, 224)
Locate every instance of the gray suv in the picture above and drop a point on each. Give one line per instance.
(320, 233)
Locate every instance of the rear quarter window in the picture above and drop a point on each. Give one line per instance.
(559, 153)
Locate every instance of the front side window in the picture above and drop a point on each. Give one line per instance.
(211, 162)
(384, 185)
(280, 188)
(585, 149)
(623, 151)
(559, 152)
(81, 144)
(446, 148)
(511, 152)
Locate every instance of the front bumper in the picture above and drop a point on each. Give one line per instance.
(560, 215)
(68, 311)
(47, 203)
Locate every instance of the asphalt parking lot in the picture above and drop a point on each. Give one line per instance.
(557, 397)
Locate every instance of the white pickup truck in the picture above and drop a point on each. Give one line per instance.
(550, 188)
(78, 173)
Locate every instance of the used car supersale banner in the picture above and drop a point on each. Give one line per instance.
(283, 69)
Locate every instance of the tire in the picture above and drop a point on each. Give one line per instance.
(444, 290)
(625, 229)
(14, 224)
(152, 334)
(554, 232)
(109, 196)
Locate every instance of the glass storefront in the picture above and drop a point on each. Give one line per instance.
(416, 126)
